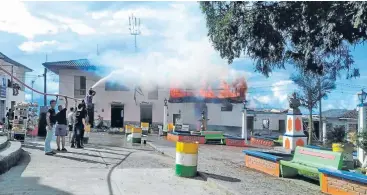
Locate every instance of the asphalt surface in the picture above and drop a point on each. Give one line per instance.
(106, 166)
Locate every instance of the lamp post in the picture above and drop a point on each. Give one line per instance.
(244, 121)
(165, 114)
(361, 122)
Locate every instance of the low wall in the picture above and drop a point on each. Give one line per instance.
(233, 141)
(175, 137)
(263, 162)
(342, 182)
(260, 141)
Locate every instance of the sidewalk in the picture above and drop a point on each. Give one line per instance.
(106, 166)
(224, 166)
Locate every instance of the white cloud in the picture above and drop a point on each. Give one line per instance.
(15, 18)
(281, 90)
(266, 99)
(31, 46)
(74, 25)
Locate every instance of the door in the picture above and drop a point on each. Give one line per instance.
(282, 126)
(117, 116)
(12, 105)
(250, 124)
(146, 113)
(175, 117)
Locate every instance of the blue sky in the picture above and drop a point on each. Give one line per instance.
(173, 31)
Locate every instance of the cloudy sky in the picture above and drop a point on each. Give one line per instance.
(174, 33)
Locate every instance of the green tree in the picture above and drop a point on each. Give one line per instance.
(309, 85)
(274, 33)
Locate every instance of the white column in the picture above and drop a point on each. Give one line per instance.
(324, 123)
(361, 126)
(244, 125)
(164, 119)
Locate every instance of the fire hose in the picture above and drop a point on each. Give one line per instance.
(47, 94)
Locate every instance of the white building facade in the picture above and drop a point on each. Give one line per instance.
(118, 107)
(7, 99)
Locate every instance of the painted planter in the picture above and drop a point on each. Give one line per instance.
(238, 142)
(263, 162)
(178, 137)
(258, 141)
(342, 182)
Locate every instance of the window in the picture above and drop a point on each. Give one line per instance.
(80, 85)
(153, 95)
(4, 82)
(114, 86)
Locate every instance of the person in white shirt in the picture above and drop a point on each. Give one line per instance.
(71, 122)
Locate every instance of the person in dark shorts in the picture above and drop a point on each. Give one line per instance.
(71, 122)
(61, 127)
(78, 126)
(51, 121)
(10, 117)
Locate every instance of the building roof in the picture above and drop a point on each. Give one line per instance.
(340, 113)
(266, 111)
(15, 63)
(81, 64)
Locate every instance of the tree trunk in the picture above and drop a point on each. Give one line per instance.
(310, 127)
(320, 112)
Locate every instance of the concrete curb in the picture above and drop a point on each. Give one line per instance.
(3, 142)
(10, 156)
(200, 174)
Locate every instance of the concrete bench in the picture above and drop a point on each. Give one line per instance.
(263, 162)
(308, 161)
(342, 182)
(218, 138)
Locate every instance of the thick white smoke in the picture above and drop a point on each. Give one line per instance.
(193, 69)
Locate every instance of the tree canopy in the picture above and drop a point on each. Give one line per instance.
(312, 88)
(318, 33)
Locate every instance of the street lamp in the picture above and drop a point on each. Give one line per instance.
(362, 96)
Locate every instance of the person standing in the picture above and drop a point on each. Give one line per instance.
(71, 123)
(85, 114)
(51, 121)
(78, 126)
(61, 128)
(10, 118)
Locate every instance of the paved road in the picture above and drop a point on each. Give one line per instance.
(107, 166)
(224, 166)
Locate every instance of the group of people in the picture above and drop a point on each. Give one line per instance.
(59, 123)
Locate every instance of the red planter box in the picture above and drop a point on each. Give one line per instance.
(261, 142)
(236, 142)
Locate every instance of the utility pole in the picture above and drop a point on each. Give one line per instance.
(45, 85)
(134, 27)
